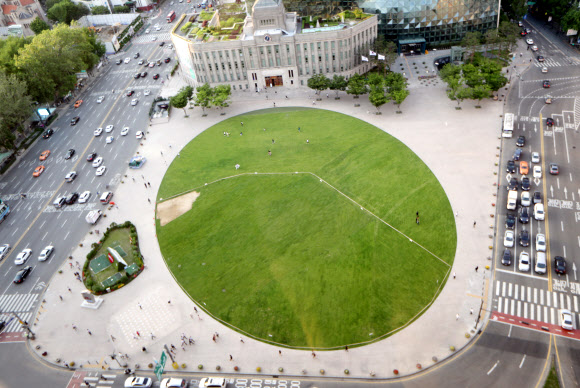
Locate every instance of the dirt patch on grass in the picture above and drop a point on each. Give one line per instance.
(169, 210)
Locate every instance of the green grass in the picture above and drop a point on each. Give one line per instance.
(286, 257)
(117, 237)
(552, 379)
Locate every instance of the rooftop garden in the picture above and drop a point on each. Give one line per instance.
(356, 15)
(204, 27)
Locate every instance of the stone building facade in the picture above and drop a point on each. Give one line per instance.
(274, 49)
(20, 13)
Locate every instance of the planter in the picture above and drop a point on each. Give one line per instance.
(356, 105)
(200, 367)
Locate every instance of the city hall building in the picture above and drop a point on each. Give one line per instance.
(270, 47)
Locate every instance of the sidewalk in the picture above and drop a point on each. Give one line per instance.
(430, 125)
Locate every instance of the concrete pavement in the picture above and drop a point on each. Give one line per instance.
(429, 125)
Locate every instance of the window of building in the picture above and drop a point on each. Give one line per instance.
(223, 66)
(263, 63)
(269, 50)
(305, 59)
(288, 48)
(302, 82)
(243, 66)
(311, 46)
(225, 78)
(332, 45)
(261, 51)
(299, 70)
(220, 53)
(234, 87)
(212, 79)
(213, 54)
(209, 66)
(318, 46)
(320, 58)
(277, 61)
(291, 73)
(326, 45)
(333, 57)
(289, 61)
(229, 66)
(277, 49)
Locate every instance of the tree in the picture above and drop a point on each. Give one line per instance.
(97, 50)
(471, 41)
(515, 8)
(398, 96)
(509, 33)
(357, 85)
(318, 82)
(375, 79)
(203, 97)
(100, 10)
(38, 25)
(377, 97)
(491, 38)
(121, 9)
(66, 11)
(449, 71)
(50, 3)
(9, 48)
(338, 84)
(480, 92)
(179, 101)
(395, 81)
(472, 75)
(19, 108)
(571, 20)
(221, 96)
(7, 138)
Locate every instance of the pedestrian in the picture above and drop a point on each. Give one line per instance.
(269, 153)
(144, 349)
(97, 193)
(145, 185)
(148, 184)
(148, 199)
(313, 102)
(313, 354)
(173, 347)
(133, 179)
(456, 214)
(237, 166)
(476, 268)
(69, 290)
(274, 104)
(298, 129)
(191, 341)
(161, 155)
(78, 264)
(241, 340)
(71, 264)
(326, 95)
(88, 331)
(273, 141)
(169, 302)
(178, 155)
(471, 311)
(138, 334)
(346, 348)
(280, 352)
(286, 97)
(183, 348)
(307, 141)
(241, 134)
(213, 338)
(454, 275)
(195, 309)
(152, 336)
(456, 317)
(241, 122)
(474, 222)
(217, 334)
(231, 358)
(507, 71)
(417, 220)
(60, 298)
(521, 55)
(74, 327)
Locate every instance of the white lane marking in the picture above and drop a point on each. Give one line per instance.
(499, 305)
(510, 331)
(491, 370)
(522, 363)
(510, 289)
(562, 225)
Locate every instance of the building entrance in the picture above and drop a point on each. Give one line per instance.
(274, 81)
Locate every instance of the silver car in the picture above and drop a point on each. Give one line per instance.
(4, 249)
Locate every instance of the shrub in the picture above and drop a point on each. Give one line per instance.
(194, 31)
(185, 27)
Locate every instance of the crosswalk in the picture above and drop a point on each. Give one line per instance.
(532, 302)
(162, 36)
(550, 62)
(21, 304)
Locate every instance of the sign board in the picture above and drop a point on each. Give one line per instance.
(88, 296)
(571, 32)
(160, 367)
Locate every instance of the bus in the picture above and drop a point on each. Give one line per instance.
(508, 125)
(4, 210)
(171, 17)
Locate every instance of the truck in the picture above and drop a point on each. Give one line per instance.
(93, 216)
(512, 200)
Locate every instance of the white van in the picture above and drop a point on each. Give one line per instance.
(106, 197)
(539, 212)
(540, 262)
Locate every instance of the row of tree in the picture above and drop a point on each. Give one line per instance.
(503, 38)
(206, 97)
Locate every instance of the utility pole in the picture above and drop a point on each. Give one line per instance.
(25, 326)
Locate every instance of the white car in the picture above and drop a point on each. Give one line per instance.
(535, 157)
(127, 60)
(508, 239)
(84, 197)
(529, 41)
(153, 38)
(141, 62)
(524, 263)
(147, 92)
(101, 170)
(134, 102)
(544, 69)
(4, 249)
(71, 176)
(147, 31)
(534, 48)
(100, 99)
(173, 383)
(98, 131)
(138, 382)
(539, 212)
(537, 171)
(125, 131)
(97, 162)
(157, 28)
(526, 199)
(109, 128)
(139, 135)
(109, 139)
(151, 64)
(216, 382)
(46, 252)
(567, 319)
(23, 256)
(540, 242)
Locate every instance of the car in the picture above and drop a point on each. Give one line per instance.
(511, 166)
(44, 155)
(98, 131)
(101, 170)
(566, 319)
(537, 172)
(84, 196)
(109, 139)
(510, 221)
(37, 171)
(549, 121)
(524, 168)
(212, 382)
(109, 128)
(548, 100)
(546, 84)
(521, 141)
(69, 154)
(137, 55)
(163, 106)
(134, 102)
(22, 274)
(173, 383)
(127, 60)
(48, 133)
(525, 198)
(524, 262)
(554, 169)
(162, 44)
(520, 24)
(91, 156)
(526, 185)
(70, 176)
(513, 185)
(155, 76)
(540, 58)
(539, 213)
(518, 154)
(75, 120)
(59, 202)
(138, 382)
(534, 48)
(45, 253)
(560, 265)
(141, 61)
(78, 103)
(153, 38)
(151, 64)
(506, 258)
(100, 99)
(535, 157)
(23, 256)
(71, 199)
(125, 131)
(544, 69)
(537, 197)
(157, 28)
(2, 326)
(524, 238)
(523, 33)
(147, 92)
(540, 242)
(529, 41)
(147, 31)
(524, 215)
(137, 75)
(119, 62)
(98, 161)
(139, 135)
(508, 239)
(170, 45)
(130, 93)
(159, 62)
(4, 249)
(144, 74)
(167, 60)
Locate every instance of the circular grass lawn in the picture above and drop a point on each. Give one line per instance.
(288, 255)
